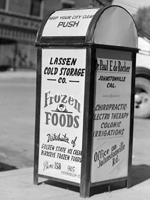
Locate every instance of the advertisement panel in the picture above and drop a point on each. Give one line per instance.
(69, 22)
(111, 115)
(61, 113)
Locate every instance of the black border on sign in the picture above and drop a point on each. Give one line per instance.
(59, 180)
(131, 119)
(59, 41)
(87, 124)
(107, 182)
(86, 184)
(128, 177)
(37, 115)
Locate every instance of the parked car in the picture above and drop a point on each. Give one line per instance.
(142, 81)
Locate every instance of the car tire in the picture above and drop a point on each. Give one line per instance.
(142, 93)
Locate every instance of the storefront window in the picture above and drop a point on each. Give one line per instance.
(2, 4)
(35, 8)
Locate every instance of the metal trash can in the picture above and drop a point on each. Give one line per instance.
(85, 97)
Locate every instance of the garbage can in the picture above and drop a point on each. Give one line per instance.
(85, 97)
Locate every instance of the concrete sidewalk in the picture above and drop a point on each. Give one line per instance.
(18, 185)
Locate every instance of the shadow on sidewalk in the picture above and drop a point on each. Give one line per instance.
(140, 173)
(5, 167)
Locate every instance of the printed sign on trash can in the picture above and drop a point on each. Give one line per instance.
(111, 115)
(62, 101)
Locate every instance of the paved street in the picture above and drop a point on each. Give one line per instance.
(17, 114)
(141, 149)
(17, 119)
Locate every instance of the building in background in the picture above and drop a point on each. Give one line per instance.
(19, 22)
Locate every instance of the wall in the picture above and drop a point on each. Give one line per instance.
(83, 3)
(26, 53)
(20, 6)
(50, 5)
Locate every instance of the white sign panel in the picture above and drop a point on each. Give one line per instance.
(69, 23)
(111, 118)
(61, 113)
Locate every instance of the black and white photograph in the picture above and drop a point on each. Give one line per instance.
(74, 99)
